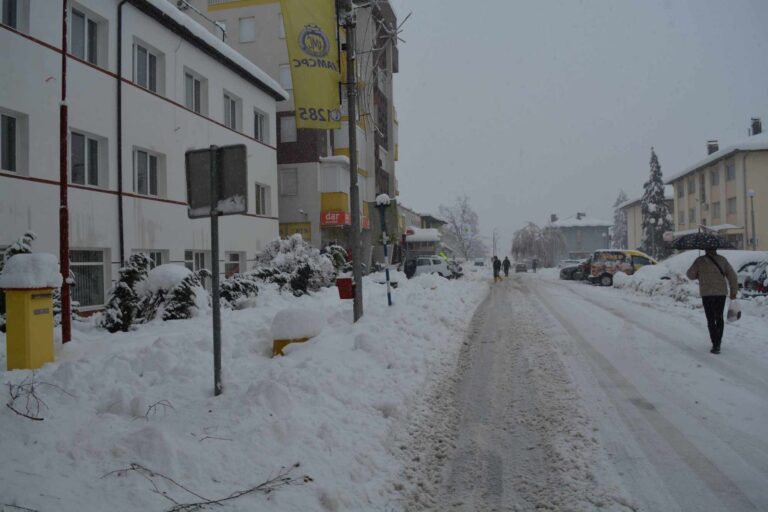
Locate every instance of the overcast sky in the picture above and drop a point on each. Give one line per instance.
(540, 106)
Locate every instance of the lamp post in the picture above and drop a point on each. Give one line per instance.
(751, 194)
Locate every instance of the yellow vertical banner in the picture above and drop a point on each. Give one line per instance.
(310, 35)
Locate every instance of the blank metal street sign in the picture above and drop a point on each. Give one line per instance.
(231, 174)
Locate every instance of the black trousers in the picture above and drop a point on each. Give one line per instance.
(713, 308)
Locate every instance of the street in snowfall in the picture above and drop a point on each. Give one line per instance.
(383, 255)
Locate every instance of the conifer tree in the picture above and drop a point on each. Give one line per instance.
(619, 239)
(656, 217)
(123, 302)
(182, 297)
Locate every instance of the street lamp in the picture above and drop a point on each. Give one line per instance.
(751, 195)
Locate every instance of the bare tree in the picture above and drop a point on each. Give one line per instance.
(462, 230)
(533, 242)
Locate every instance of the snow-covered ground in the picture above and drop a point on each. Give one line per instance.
(333, 405)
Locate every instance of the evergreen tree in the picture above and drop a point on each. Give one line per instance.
(237, 289)
(619, 238)
(123, 302)
(182, 299)
(656, 217)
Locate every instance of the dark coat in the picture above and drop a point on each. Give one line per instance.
(496, 265)
(506, 264)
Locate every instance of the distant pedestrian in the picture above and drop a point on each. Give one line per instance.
(716, 280)
(506, 264)
(496, 269)
(534, 264)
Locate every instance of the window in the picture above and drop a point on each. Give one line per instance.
(10, 13)
(691, 185)
(8, 143)
(281, 27)
(88, 269)
(289, 182)
(193, 93)
(262, 199)
(731, 205)
(194, 260)
(692, 215)
(640, 261)
(681, 217)
(84, 167)
(230, 111)
(85, 36)
(288, 129)
(232, 262)
(716, 210)
(730, 171)
(680, 189)
(702, 189)
(285, 77)
(714, 178)
(259, 126)
(145, 173)
(144, 68)
(247, 29)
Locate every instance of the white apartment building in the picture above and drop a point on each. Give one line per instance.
(313, 175)
(145, 84)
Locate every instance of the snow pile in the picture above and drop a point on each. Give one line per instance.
(145, 397)
(165, 277)
(414, 234)
(580, 222)
(35, 270)
(295, 323)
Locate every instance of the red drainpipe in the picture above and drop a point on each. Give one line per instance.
(66, 308)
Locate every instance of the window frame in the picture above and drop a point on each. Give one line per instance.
(716, 210)
(286, 80)
(691, 215)
(681, 190)
(283, 174)
(151, 54)
(691, 185)
(731, 201)
(150, 157)
(6, 10)
(240, 30)
(260, 126)
(232, 117)
(228, 262)
(262, 199)
(195, 102)
(88, 170)
(74, 265)
(194, 259)
(13, 146)
(714, 178)
(294, 131)
(90, 35)
(730, 171)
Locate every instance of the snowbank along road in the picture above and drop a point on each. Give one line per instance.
(569, 397)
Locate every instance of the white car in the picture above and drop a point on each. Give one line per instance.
(431, 265)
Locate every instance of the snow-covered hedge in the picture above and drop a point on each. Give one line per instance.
(294, 264)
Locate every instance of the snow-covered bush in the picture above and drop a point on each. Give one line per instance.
(339, 257)
(172, 292)
(294, 264)
(238, 290)
(123, 299)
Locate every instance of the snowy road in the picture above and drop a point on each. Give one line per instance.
(570, 397)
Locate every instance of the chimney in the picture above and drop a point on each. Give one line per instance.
(712, 146)
(553, 217)
(757, 126)
(580, 215)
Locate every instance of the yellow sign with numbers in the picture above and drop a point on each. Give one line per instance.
(310, 35)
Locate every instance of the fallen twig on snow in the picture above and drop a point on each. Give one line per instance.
(17, 507)
(26, 391)
(283, 478)
(152, 409)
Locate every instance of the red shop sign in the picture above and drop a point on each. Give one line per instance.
(335, 219)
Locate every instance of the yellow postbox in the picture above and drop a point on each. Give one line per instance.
(29, 326)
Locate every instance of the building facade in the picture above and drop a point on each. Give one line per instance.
(313, 165)
(726, 190)
(582, 235)
(144, 85)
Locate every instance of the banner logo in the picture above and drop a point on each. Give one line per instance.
(313, 42)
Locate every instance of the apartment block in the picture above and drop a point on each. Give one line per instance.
(145, 83)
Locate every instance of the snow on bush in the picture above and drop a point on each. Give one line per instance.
(296, 323)
(173, 292)
(294, 264)
(238, 291)
(123, 298)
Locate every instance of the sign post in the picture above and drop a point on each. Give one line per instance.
(216, 185)
(382, 203)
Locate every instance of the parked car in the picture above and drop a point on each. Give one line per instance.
(577, 271)
(478, 265)
(757, 280)
(745, 271)
(432, 265)
(607, 262)
(521, 267)
(568, 263)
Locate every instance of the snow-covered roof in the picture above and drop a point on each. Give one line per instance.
(754, 143)
(669, 194)
(414, 234)
(184, 25)
(583, 222)
(337, 159)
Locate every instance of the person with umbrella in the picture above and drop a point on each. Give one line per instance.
(716, 280)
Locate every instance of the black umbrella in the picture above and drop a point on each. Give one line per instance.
(701, 240)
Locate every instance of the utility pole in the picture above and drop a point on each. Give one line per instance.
(66, 307)
(354, 193)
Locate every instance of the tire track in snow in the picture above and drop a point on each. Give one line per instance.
(622, 392)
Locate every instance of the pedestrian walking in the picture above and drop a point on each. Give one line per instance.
(505, 265)
(535, 263)
(716, 280)
(496, 269)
